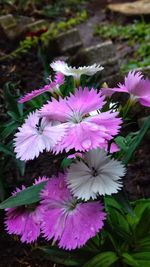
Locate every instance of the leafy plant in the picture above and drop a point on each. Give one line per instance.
(136, 34)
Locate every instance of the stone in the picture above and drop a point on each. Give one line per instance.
(103, 54)
(36, 25)
(141, 7)
(68, 42)
(17, 26)
(8, 25)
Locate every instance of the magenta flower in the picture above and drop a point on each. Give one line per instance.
(40, 180)
(52, 87)
(37, 135)
(136, 86)
(24, 221)
(84, 131)
(65, 220)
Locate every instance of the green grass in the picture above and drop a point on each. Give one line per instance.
(136, 35)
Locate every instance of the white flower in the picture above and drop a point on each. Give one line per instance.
(97, 174)
(61, 66)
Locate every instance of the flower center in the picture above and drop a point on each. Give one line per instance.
(76, 117)
(39, 126)
(70, 206)
(30, 207)
(94, 172)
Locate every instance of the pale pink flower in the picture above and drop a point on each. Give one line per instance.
(52, 87)
(84, 131)
(37, 135)
(136, 86)
(65, 220)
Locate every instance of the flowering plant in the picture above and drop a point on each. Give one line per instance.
(83, 204)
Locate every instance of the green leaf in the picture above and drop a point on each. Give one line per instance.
(63, 257)
(21, 166)
(143, 226)
(143, 258)
(27, 196)
(121, 142)
(110, 202)
(128, 259)
(10, 99)
(66, 163)
(6, 150)
(144, 244)
(104, 259)
(137, 141)
(10, 129)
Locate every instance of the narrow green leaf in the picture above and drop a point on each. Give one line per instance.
(63, 257)
(6, 150)
(144, 244)
(121, 142)
(104, 259)
(21, 166)
(143, 226)
(65, 163)
(137, 141)
(143, 258)
(8, 130)
(10, 99)
(128, 259)
(27, 196)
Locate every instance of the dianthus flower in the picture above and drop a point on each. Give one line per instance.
(97, 174)
(52, 87)
(84, 131)
(25, 221)
(64, 219)
(61, 66)
(136, 86)
(37, 135)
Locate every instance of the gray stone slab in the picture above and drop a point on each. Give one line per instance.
(36, 25)
(68, 42)
(103, 54)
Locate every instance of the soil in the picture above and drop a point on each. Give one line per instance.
(29, 73)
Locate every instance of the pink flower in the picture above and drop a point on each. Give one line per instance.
(52, 87)
(67, 221)
(37, 135)
(136, 86)
(24, 221)
(40, 180)
(84, 131)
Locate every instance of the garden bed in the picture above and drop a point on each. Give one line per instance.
(27, 72)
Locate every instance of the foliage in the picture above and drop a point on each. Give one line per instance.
(124, 242)
(50, 9)
(62, 8)
(136, 34)
(13, 118)
(125, 238)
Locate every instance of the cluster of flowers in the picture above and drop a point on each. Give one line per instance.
(70, 210)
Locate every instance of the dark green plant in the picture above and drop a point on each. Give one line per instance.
(12, 119)
(125, 239)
